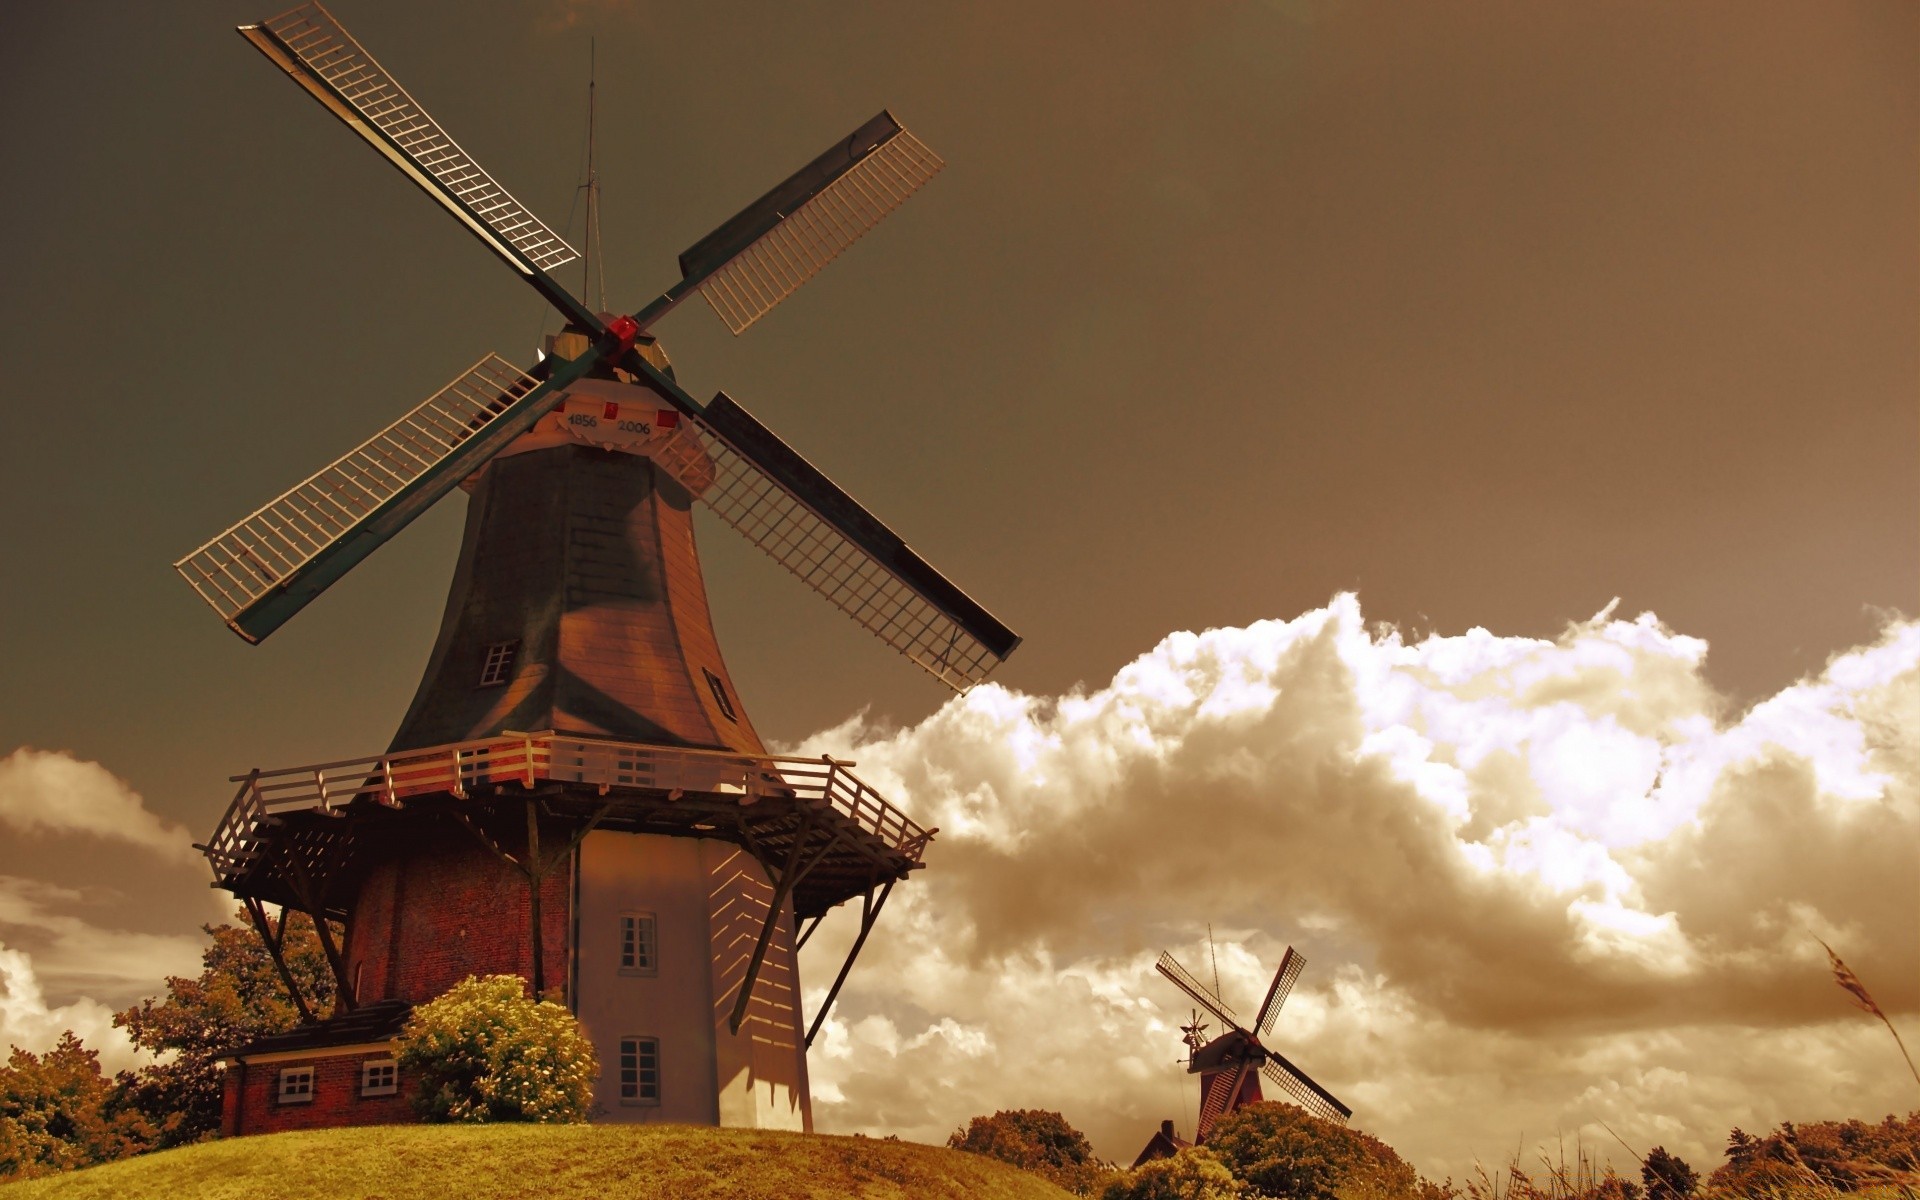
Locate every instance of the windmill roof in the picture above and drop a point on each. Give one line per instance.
(1229, 1047)
(377, 1022)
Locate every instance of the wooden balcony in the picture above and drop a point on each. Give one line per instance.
(289, 829)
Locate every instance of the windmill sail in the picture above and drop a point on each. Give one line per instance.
(1223, 1091)
(1182, 979)
(1304, 1091)
(778, 501)
(1283, 979)
(269, 566)
(319, 54)
(771, 247)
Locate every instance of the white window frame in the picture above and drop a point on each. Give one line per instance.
(496, 669)
(392, 1071)
(646, 929)
(290, 1089)
(639, 1046)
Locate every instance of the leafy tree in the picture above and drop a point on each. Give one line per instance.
(1038, 1141)
(1667, 1176)
(483, 1050)
(1844, 1156)
(1192, 1174)
(1288, 1154)
(58, 1112)
(238, 996)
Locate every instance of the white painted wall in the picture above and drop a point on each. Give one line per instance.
(709, 899)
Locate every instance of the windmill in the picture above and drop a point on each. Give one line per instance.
(1230, 1066)
(576, 794)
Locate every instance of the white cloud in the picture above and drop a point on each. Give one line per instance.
(27, 1021)
(1542, 884)
(46, 791)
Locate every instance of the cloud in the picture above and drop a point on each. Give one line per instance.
(1541, 884)
(73, 956)
(46, 791)
(27, 1021)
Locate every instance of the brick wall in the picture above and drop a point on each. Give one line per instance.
(427, 919)
(253, 1096)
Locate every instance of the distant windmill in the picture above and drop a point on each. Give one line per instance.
(1230, 1066)
(577, 794)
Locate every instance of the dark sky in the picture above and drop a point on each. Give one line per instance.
(1489, 312)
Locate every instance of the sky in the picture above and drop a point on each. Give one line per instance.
(1453, 469)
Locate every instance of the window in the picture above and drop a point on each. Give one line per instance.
(296, 1085)
(639, 1070)
(637, 947)
(720, 695)
(498, 667)
(379, 1077)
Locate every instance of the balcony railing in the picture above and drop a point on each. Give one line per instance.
(528, 759)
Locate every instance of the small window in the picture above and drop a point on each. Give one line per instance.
(637, 948)
(639, 1070)
(720, 695)
(379, 1077)
(498, 667)
(296, 1085)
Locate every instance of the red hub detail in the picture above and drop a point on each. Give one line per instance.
(624, 330)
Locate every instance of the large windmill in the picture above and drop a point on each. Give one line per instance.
(1230, 1066)
(576, 794)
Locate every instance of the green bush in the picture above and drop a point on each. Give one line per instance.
(1284, 1153)
(1192, 1174)
(1035, 1140)
(484, 1051)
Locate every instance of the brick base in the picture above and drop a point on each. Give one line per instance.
(250, 1099)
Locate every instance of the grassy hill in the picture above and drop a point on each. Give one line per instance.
(601, 1162)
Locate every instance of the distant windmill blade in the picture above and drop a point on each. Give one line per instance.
(1304, 1091)
(1184, 980)
(786, 507)
(1221, 1096)
(1283, 979)
(268, 567)
(319, 54)
(771, 247)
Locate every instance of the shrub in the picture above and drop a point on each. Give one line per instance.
(1845, 1156)
(1192, 1174)
(1285, 1153)
(484, 1051)
(1038, 1141)
(1667, 1176)
(58, 1112)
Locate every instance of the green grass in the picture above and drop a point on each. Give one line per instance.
(560, 1162)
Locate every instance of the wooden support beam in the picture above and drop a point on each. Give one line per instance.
(310, 900)
(869, 913)
(534, 876)
(275, 944)
(808, 931)
(796, 869)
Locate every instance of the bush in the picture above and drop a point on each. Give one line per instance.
(58, 1112)
(1285, 1153)
(1845, 1156)
(484, 1051)
(1192, 1174)
(1038, 1141)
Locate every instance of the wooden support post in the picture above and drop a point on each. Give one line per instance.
(276, 944)
(869, 913)
(310, 901)
(534, 875)
(808, 931)
(796, 869)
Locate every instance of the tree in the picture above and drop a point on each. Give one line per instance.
(1038, 1141)
(1192, 1174)
(484, 1050)
(58, 1112)
(1667, 1176)
(1286, 1153)
(238, 997)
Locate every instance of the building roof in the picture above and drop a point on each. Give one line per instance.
(377, 1022)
